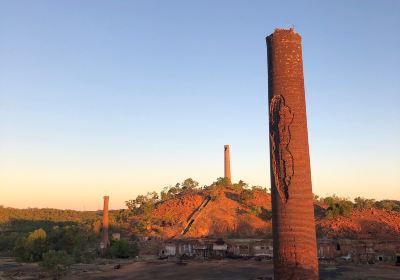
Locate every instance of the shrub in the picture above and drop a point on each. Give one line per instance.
(256, 210)
(240, 185)
(143, 204)
(246, 195)
(57, 261)
(122, 249)
(32, 247)
(363, 203)
(189, 184)
(389, 205)
(259, 188)
(220, 182)
(8, 240)
(338, 207)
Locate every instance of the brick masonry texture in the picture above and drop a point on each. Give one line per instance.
(227, 163)
(295, 252)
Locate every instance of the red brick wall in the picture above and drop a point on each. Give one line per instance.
(227, 163)
(295, 252)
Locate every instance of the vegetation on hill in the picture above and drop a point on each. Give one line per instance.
(58, 238)
(235, 210)
(166, 214)
(338, 206)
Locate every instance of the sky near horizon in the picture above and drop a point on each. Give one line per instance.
(125, 97)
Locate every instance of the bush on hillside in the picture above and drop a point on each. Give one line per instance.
(189, 185)
(363, 203)
(390, 205)
(337, 207)
(246, 195)
(239, 186)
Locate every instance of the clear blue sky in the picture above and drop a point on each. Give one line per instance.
(124, 97)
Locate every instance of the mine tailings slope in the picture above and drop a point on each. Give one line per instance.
(194, 216)
(367, 223)
(205, 213)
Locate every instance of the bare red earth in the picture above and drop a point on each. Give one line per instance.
(226, 216)
(372, 223)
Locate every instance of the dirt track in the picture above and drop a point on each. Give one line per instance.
(193, 270)
(235, 270)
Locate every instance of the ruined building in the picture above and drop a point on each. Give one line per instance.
(295, 250)
(104, 242)
(227, 163)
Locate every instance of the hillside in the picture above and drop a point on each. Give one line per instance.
(227, 214)
(367, 223)
(215, 211)
(224, 215)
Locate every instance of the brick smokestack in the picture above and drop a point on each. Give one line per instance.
(104, 239)
(295, 250)
(227, 163)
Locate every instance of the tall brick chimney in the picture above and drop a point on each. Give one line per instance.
(295, 250)
(227, 165)
(104, 238)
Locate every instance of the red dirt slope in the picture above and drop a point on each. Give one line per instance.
(226, 215)
(371, 223)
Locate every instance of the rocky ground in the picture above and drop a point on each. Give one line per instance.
(227, 215)
(194, 270)
(375, 223)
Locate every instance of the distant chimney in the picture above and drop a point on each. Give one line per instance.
(104, 239)
(227, 160)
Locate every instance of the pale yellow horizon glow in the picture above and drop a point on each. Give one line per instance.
(83, 188)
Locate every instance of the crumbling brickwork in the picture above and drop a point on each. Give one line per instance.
(295, 251)
(227, 161)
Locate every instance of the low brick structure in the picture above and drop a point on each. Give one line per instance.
(361, 251)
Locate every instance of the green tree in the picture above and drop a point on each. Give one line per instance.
(171, 191)
(363, 203)
(390, 205)
(143, 204)
(220, 182)
(122, 249)
(189, 184)
(240, 185)
(58, 262)
(32, 247)
(337, 207)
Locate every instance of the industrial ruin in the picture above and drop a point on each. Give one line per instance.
(292, 201)
(227, 163)
(105, 242)
(294, 249)
(365, 251)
